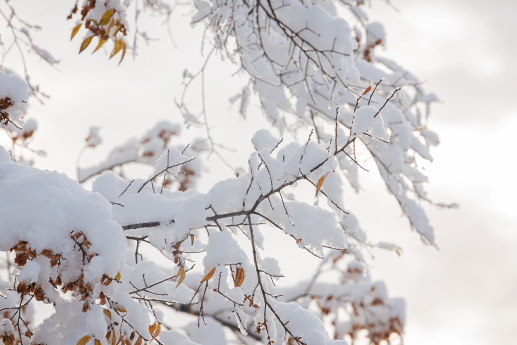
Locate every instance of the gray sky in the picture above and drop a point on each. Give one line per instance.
(463, 293)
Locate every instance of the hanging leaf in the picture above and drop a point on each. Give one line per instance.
(320, 182)
(113, 338)
(123, 51)
(84, 340)
(116, 48)
(107, 312)
(97, 342)
(182, 277)
(106, 17)
(116, 30)
(209, 275)
(158, 329)
(239, 276)
(152, 328)
(118, 276)
(85, 44)
(191, 240)
(75, 30)
(28, 334)
(139, 341)
(179, 272)
(100, 44)
(367, 89)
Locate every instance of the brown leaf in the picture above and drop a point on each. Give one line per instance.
(209, 275)
(85, 44)
(120, 309)
(239, 276)
(139, 341)
(28, 334)
(191, 240)
(75, 31)
(84, 340)
(152, 328)
(320, 182)
(97, 342)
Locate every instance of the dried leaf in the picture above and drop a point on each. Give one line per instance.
(239, 276)
(209, 275)
(107, 312)
(152, 328)
(113, 338)
(116, 30)
(84, 340)
(85, 44)
(367, 89)
(100, 44)
(28, 334)
(105, 19)
(139, 341)
(191, 240)
(179, 272)
(97, 342)
(116, 48)
(320, 182)
(123, 52)
(298, 240)
(118, 276)
(182, 277)
(158, 329)
(120, 309)
(75, 30)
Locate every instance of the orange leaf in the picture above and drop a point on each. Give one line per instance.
(191, 240)
(298, 240)
(239, 276)
(113, 338)
(75, 30)
(320, 182)
(84, 340)
(123, 52)
(152, 328)
(158, 329)
(209, 275)
(101, 42)
(97, 342)
(367, 89)
(85, 44)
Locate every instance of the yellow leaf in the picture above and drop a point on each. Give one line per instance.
(320, 182)
(191, 240)
(139, 341)
(116, 48)
(101, 42)
(116, 30)
(84, 340)
(182, 277)
(113, 338)
(107, 312)
(158, 329)
(97, 342)
(239, 276)
(123, 52)
(209, 275)
(85, 44)
(106, 16)
(118, 276)
(179, 272)
(75, 30)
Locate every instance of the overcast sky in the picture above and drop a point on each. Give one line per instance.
(463, 293)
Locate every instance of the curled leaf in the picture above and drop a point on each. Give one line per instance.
(209, 275)
(75, 30)
(84, 340)
(182, 277)
(123, 52)
(85, 44)
(239, 276)
(100, 44)
(320, 182)
(157, 332)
